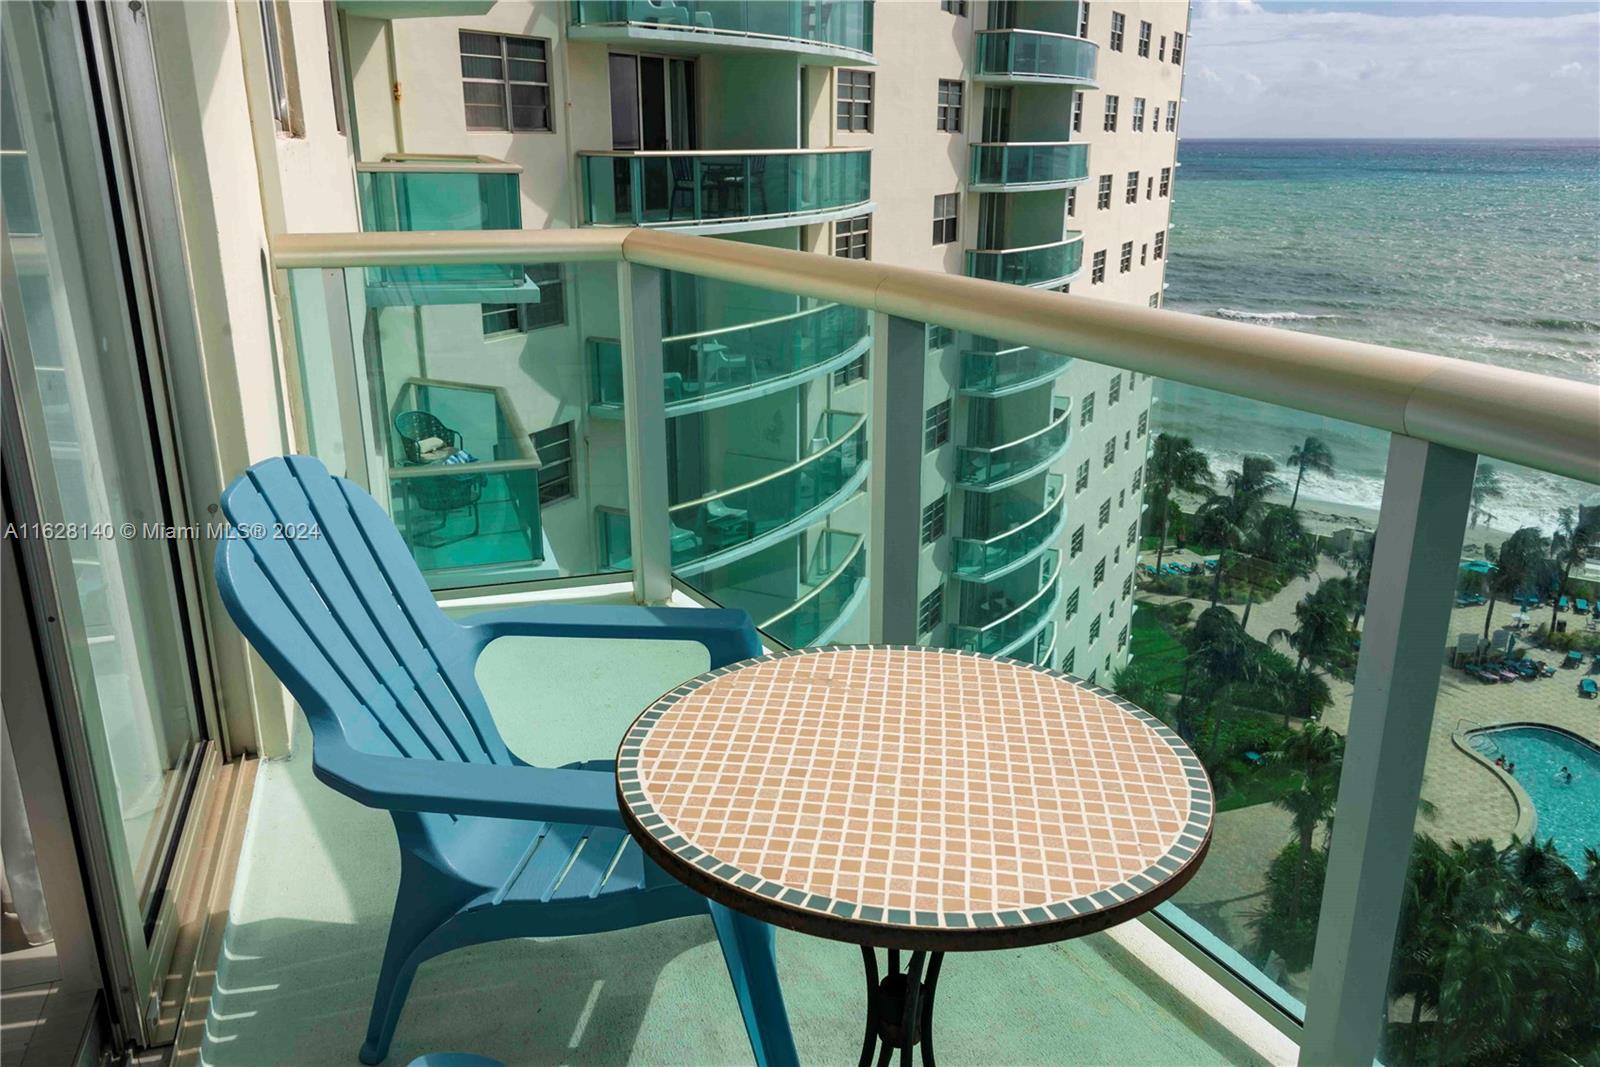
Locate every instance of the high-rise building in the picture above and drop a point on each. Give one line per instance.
(1026, 143)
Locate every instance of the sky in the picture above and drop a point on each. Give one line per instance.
(1339, 68)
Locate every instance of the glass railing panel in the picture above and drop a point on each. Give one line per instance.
(424, 393)
(1011, 621)
(1039, 265)
(835, 577)
(779, 348)
(700, 188)
(1028, 528)
(845, 24)
(989, 368)
(439, 193)
(1028, 164)
(979, 467)
(1036, 54)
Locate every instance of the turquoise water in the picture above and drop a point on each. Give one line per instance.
(1568, 812)
(1488, 251)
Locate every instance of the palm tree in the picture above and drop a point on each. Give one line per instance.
(1311, 453)
(1176, 466)
(1220, 653)
(1316, 755)
(1515, 561)
(1279, 543)
(1322, 631)
(1228, 517)
(1572, 545)
(1485, 486)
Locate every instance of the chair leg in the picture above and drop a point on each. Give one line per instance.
(412, 924)
(748, 950)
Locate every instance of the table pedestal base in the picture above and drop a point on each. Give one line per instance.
(900, 1007)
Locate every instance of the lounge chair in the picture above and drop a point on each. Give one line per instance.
(490, 846)
(1574, 659)
(1588, 689)
(1561, 605)
(1582, 605)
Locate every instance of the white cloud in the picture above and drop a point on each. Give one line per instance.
(1304, 73)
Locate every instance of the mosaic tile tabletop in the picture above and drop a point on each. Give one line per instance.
(914, 797)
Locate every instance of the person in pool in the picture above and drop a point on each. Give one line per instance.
(1564, 776)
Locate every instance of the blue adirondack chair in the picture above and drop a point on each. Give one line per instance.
(487, 842)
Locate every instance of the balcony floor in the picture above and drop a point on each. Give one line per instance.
(314, 893)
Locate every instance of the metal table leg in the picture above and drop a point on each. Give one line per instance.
(899, 1007)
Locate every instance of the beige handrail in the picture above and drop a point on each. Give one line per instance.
(1552, 424)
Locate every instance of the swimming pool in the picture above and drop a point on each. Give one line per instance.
(1567, 812)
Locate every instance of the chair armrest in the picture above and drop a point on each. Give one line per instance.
(496, 790)
(727, 634)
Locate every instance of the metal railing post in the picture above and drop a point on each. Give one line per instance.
(1415, 558)
(899, 367)
(645, 431)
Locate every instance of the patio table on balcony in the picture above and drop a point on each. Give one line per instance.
(914, 799)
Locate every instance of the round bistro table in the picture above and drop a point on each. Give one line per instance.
(914, 799)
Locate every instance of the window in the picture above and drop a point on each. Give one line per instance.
(851, 373)
(1133, 532)
(936, 426)
(1083, 477)
(945, 228)
(954, 7)
(1177, 48)
(933, 521)
(1131, 193)
(940, 337)
(1122, 502)
(1144, 422)
(1110, 125)
(1127, 586)
(1072, 201)
(1070, 661)
(854, 102)
(949, 106)
(1103, 200)
(930, 611)
(1172, 116)
(1077, 543)
(551, 309)
(1122, 638)
(1127, 439)
(1149, 188)
(1072, 604)
(1144, 253)
(1077, 112)
(852, 238)
(1083, 19)
(1138, 114)
(1127, 257)
(1138, 478)
(1110, 455)
(1162, 53)
(1166, 180)
(1118, 25)
(1100, 571)
(1155, 121)
(1094, 628)
(1114, 390)
(554, 446)
(505, 82)
(279, 47)
(1086, 410)
(1144, 39)
(1105, 514)
(1155, 300)
(1160, 244)
(1097, 270)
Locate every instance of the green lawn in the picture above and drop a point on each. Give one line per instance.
(1256, 785)
(1157, 650)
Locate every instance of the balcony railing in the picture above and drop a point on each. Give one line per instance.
(1038, 265)
(1023, 538)
(834, 589)
(724, 191)
(838, 30)
(1012, 625)
(439, 192)
(985, 468)
(714, 368)
(1036, 56)
(1015, 165)
(1004, 371)
(732, 523)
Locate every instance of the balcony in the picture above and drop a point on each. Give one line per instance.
(990, 370)
(724, 191)
(1034, 57)
(1025, 534)
(833, 589)
(1014, 166)
(733, 523)
(714, 368)
(1038, 266)
(986, 468)
(439, 192)
(819, 31)
(1008, 624)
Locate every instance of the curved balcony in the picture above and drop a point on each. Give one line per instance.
(725, 192)
(823, 31)
(732, 523)
(1003, 371)
(1044, 647)
(1025, 537)
(835, 588)
(985, 469)
(1034, 56)
(1038, 265)
(1014, 624)
(1020, 166)
(714, 368)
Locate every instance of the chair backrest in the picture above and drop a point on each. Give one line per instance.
(317, 577)
(414, 427)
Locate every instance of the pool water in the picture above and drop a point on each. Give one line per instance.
(1568, 812)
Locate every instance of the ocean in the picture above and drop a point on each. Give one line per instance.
(1482, 250)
